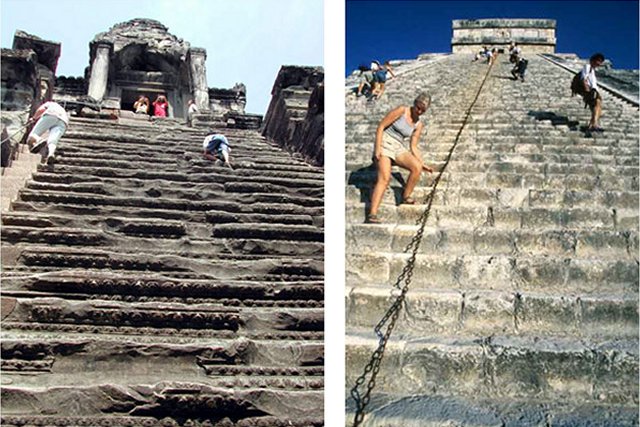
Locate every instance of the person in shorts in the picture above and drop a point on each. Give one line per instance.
(399, 126)
(591, 94)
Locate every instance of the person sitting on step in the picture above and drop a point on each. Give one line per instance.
(396, 127)
(591, 95)
(520, 69)
(51, 117)
(216, 147)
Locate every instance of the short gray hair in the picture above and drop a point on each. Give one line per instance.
(423, 98)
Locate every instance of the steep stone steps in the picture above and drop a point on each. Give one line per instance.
(532, 241)
(140, 278)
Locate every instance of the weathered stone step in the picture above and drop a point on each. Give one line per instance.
(429, 410)
(54, 311)
(269, 231)
(229, 267)
(449, 312)
(504, 217)
(77, 153)
(201, 176)
(573, 370)
(248, 203)
(157, 188)
(470, 196)
(142, 223)
(142, 286)
(149, 404)
(251, 169)
(497, 272)
(268, 193)
(365, 176)
(474, 151)
(589, 243)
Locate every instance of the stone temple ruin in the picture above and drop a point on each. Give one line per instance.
(151, 287)
(523, 305)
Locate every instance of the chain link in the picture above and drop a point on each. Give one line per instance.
(402, 283)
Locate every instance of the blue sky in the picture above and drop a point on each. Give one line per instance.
(386, 30)
(246, 40)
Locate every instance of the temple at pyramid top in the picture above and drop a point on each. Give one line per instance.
(533, 35)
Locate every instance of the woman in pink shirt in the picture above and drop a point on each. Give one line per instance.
(160, 106)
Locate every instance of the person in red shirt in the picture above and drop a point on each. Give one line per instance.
(161, 106)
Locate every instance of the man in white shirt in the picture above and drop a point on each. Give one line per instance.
(216, 147)
(591, 95)
(53, 118)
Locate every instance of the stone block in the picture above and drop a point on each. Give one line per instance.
(609, 315)
(432, 311)
(600, 244)
(541, 242)
(538, 313)
(489, 311)
(367, 268)
(539, 273)
(363, 238)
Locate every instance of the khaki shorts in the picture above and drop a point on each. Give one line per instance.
(391, 147)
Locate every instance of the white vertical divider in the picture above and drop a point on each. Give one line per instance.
(334, 184)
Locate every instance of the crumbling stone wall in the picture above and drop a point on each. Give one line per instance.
(226, 100)
(28, 80)
(295, 117)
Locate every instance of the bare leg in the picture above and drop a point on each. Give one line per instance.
(414, 166)
(597, 112)
(382, 182)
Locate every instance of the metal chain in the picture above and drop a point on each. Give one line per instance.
(391, 316)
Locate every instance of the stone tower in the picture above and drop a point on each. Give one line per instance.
(141, 57)
(533, 35)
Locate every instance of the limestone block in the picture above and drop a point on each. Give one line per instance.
(548, 314)
(485, 311)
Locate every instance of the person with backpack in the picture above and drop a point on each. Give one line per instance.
(366, 81)
(399, 125)
(586, 85)
(380, 78)
(520, 68)
(216, 147)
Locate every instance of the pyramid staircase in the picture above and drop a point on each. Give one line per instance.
(146, 286)
(523, 305)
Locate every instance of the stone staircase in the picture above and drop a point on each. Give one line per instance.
(523, 307)
(146, 286)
